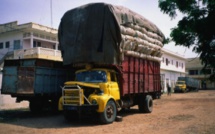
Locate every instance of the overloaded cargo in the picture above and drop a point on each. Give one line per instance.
(104, 33)
(121, 51)
(111, 62)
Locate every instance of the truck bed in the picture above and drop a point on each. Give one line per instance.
(190, 82)
(33, 77)
(140, 76)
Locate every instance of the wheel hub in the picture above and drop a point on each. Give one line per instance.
(109, 111)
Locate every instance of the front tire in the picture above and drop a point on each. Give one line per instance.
(109, 114)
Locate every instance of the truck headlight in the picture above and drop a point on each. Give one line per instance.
(94, 101)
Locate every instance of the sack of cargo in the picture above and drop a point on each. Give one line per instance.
(101, 33)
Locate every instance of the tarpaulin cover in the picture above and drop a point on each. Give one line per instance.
(91, 33)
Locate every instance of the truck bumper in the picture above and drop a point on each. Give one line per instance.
(81, 108)
(177, 90)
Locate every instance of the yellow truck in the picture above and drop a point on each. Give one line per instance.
(115, 54)
(185, 84)
(180, 86)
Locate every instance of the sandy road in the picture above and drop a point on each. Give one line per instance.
(189, 113)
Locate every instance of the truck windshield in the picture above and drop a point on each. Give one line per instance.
(91, 76)
(180, 82)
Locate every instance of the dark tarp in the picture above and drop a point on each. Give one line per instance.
(91, 33)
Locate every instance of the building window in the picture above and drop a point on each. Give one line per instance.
(7, 44)
(37, 44)
(176, 64)
(182, 65)
(163, 57)
(16, 44)
(1, 45)
(167, 62)
(193, 72)
(34, 44)
(172, 62)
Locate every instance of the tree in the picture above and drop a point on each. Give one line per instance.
(196, 28)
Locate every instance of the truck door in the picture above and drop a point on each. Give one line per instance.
(114, 87)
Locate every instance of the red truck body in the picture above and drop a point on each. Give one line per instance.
(140, 76)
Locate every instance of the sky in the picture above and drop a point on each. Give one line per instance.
(50, 12)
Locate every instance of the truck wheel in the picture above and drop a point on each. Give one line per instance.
(118, 118)
(35, 106)
(146, 105)
(54, 105)
(109, 114)
(158, 96)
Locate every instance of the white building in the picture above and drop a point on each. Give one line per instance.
(24, 37)
(172, 66)
(194, 69)
(28, 40)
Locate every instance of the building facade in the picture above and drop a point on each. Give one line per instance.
(194, 70)
(24, 37)
(172, 67)
(28, 40)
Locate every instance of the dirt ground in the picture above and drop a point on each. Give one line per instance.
(189, 113)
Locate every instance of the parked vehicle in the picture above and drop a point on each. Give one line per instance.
(185, 84)
(35, 80)
(116, 54)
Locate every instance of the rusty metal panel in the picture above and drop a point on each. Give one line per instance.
(25, 82)
(34, 80)
(9, 80)
(34, 77)
(18, 80)
(49, 80)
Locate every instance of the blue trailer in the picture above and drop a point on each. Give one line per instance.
(185, 84)
(35, 80)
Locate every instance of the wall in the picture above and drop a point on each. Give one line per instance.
(4, 37)
(172, 61)
(196, 66)
(171, 71)
(170, 77)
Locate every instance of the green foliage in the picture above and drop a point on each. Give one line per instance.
(196, 28)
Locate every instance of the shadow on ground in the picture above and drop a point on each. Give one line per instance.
(47, 119)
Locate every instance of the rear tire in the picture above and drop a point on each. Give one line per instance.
(158, 95)
(146, 105)
(109, 114)
(36, 106)
(118, 118)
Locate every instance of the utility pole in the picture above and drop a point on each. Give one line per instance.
(51, 12)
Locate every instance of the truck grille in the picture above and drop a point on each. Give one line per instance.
(73, 95)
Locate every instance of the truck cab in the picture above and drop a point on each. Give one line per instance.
(95, 90)
(180, 86)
